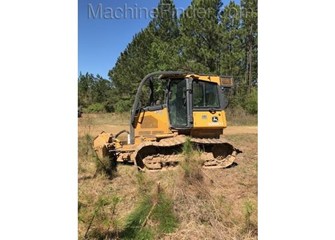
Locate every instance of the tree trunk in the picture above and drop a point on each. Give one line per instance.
(250, 61)
(250, 69)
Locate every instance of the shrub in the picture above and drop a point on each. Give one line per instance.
(251, 102)
(96, 108)
(122, 106)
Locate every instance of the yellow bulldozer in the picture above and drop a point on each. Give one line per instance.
(171, 108)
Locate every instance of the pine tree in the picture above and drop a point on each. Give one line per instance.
(154, 48)
(232, 51)
(165, 22)
(130, 68)
(164, 52)
(95, 90)
(200, 36)
(85, 85)
(250, 34)
(206, 39)
(231, 44)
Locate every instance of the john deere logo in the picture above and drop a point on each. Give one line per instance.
(215, 119)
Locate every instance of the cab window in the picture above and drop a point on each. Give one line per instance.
(205, 95)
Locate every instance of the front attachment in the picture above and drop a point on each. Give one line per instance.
(101, 144)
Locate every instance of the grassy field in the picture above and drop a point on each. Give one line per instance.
(187, 202)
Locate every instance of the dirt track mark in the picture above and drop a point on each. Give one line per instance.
(232, 130)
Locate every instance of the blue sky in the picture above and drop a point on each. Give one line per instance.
(102, 37)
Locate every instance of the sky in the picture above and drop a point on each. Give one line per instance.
(105, 27)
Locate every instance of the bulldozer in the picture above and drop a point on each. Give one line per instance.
(185, 107)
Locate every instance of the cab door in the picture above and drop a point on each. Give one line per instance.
(177, 104)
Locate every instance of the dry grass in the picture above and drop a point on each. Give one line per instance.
(222, 204)
(212, 204)
(94, 123)
(239, 117)
(105, 118)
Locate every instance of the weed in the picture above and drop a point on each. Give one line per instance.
(191, 164)
(249, 209)
(85, 155)
(84, 147)
(101, 218)
(143, 183)
(188, 149)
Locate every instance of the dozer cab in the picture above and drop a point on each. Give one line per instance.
(185, 106)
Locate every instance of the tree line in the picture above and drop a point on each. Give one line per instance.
(207, 37)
